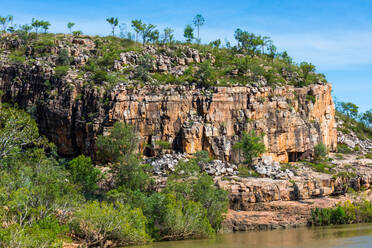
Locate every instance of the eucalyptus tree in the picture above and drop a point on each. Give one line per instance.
(45, 25)
(5, 21)
(36, 24)
(149, 33)
(188, 33)
(114, 22)
(198, 22)
(167, 36)
(70, 25)
(138, 27)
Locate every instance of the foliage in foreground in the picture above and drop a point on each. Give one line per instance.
(46, 200)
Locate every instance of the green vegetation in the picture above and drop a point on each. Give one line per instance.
(198, 22)
(47, 200)
(245, 171)
(253, 60)
(346, 213)
(250, 145)
(61, 70)
(342, 148)
(97, 223)
(353, 121)
(320, 166)
(320, 151)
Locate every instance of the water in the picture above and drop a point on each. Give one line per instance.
(359, 236)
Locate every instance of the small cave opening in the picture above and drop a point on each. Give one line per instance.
(294, 156)
(148, 151)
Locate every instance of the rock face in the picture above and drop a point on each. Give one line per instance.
(184, 116)
(72, 112)
(192, 121)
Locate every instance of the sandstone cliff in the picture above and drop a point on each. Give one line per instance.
(72, 112)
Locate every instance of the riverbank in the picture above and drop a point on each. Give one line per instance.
(356, 236)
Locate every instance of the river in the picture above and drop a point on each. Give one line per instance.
(342, 236)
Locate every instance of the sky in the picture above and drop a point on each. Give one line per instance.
(334, 35)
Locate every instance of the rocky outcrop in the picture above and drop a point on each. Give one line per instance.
(192, 121)
(72, 112)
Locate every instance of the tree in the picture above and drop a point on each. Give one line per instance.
(77, 33)
(148, 32)
(188, 33)
(215, 44)
(70, 25)
(367, 118)
(121, 142)
(349, 109)
(307, 68)
(114, 22)
(45, 25)
(198, 22)
(266, 42)
(248, 41)
(251, 146)
(138, 27)
(84, 174)
(168, 36)
(5, 21)
(36, 24)
(17, 130)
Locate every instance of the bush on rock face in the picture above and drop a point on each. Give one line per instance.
(250, 144)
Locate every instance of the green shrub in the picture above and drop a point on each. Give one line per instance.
(97, 223)
(311, 98)
(320, 151)
(321, 167)
(202, 157)
(63, 58)
(61, 71)
(122, 141)
(251, 146)
(356, 212)
(84, 174)
(205, 76)
(342, 148)
(245, 171)
(163, 144)
(47, 232)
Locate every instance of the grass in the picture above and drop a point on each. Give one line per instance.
(344, 149)
(320, 166)
(61, 71)
(245, 171)
(249, 68)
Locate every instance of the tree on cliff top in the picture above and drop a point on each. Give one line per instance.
(188, 33)
(198, 22)
(251, 145)
(5, 21)
(70, 25)
(114, 22)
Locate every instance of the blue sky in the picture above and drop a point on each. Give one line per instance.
(335, 35)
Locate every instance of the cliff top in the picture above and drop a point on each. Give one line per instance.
(108, 61)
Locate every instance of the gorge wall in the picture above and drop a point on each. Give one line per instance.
(293, 120)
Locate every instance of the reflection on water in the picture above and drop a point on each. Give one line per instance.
(336, 236)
